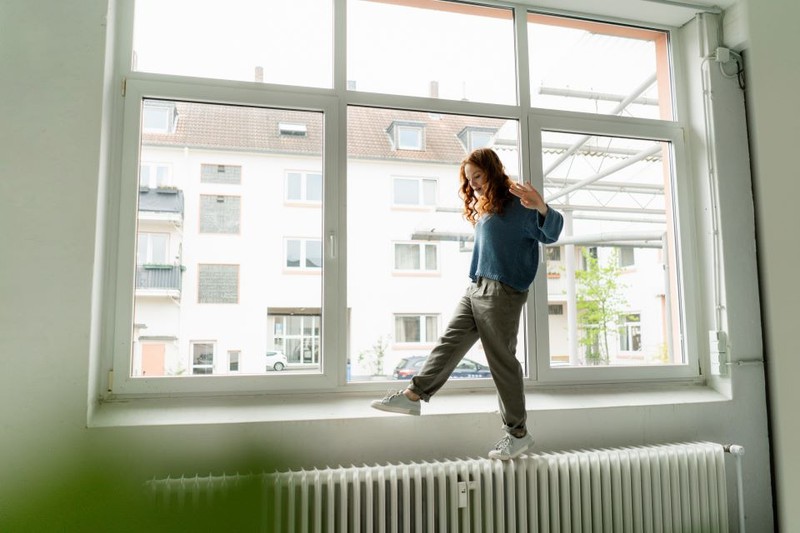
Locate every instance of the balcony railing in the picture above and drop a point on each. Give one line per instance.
(159, 277)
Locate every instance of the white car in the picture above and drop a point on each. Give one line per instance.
(276, 360)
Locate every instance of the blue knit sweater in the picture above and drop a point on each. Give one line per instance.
(507, 245)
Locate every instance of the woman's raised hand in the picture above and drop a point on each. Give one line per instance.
(528, 196)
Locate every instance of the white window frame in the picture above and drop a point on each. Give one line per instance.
(153, 182)
(148, 238)
(419, 136)
(304, 174)
(420, 204)
(303, 257)
(425, 248)
(656, 130)
(210, 366)
(626, 325)
(121, 226)
(423, 328)
(168, 118)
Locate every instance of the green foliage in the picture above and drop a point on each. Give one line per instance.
(600, 303)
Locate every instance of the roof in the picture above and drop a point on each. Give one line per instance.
(251, 129)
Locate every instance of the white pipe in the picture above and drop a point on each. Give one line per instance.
(616, 111)
(613, 236)
(644, 154)
(738, 452)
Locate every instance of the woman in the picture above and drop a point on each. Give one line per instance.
(504, 262)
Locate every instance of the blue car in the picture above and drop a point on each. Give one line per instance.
(467, 368)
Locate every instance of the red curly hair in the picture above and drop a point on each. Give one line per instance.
(496, 193)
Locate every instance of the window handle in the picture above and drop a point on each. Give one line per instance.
(332, 245)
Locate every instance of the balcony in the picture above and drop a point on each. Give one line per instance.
(164, 204)
(159, 280)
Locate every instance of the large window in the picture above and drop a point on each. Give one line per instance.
(298, 202)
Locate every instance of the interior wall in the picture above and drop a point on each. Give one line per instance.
(55, 471)
(773, 81)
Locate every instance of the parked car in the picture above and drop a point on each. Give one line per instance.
(276, 360)
(467, 368)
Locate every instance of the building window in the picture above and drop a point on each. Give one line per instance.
(233, 361)
(226, 174)
(218, 284)
(630, 333)
(296, 335)
(389, 144)
(304, 187)
(625, 256)
(407, 136)
(475, 137)
(158, 117)
(415, 192)
(416, 328)
(303, 254)
(220, 214)
(202, 358)
(287, 129)
(415, 257)
(155, 175)
(152, 249)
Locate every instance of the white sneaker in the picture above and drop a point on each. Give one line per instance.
(511, 446)
(397, 402)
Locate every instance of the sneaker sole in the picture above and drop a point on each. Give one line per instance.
(389, 409)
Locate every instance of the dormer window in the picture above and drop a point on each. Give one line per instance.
(159, 117)
(287, 129)
(407, 135)
(476, 137)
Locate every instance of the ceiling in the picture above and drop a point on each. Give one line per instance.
(667, 12)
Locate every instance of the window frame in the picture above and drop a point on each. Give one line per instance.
(639, 128)
(115, 365)
(423, 258)
(420, 181)
(303, 200)
(303, 267)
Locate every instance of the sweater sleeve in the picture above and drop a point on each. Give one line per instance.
(546, 229)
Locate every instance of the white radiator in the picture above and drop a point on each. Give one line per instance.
(664, 488)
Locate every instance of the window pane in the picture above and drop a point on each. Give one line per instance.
(580, 65)
(429, 192)
(406, 256)
(430, 257)
(408, 329)
(409, 138)
(313, 254)
(293, 186)
(314, 187)
(237, 40)
(387, 311)
(615, 194)
(425, 48)
(431, 328)
(293, 253)
(406, 191)
(219, 265)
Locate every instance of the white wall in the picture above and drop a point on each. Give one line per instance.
(51, 153)
(773, 78)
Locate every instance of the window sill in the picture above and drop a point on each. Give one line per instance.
(344, 406)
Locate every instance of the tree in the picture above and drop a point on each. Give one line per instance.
(600, 303)
(372, 358)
